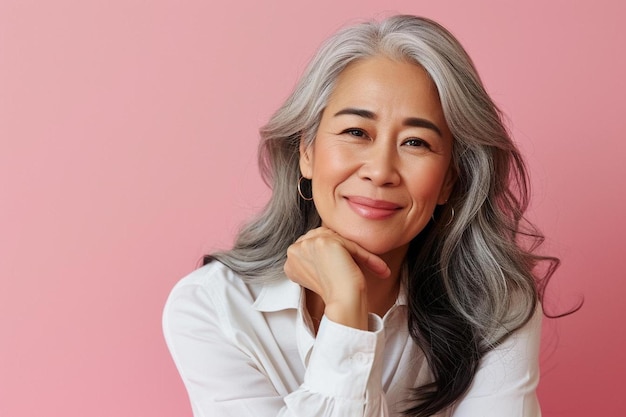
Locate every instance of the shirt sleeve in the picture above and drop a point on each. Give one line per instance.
(506, 382)
(343, 376)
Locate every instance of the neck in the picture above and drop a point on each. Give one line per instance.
(383, 293)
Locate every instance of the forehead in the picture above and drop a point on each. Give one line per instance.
(384, 77)
(387, 86)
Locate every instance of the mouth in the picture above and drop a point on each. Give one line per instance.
(371, 208)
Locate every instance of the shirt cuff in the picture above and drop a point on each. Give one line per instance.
(347, 362)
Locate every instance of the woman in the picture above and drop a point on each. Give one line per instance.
(389, 274)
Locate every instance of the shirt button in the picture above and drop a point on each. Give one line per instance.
(360, 357)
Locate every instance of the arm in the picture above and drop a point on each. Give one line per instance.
(229, 369)
(332, 269)
(344, 374)
(505, 384)
(221, 380)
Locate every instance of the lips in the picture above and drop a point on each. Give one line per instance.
(371, 208)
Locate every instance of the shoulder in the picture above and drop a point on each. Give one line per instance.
(212, 292)
(214, 274)
(524, 342)
(518, 354)
(507, 378)
(215, 280)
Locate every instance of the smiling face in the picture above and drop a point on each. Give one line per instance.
(380, 161)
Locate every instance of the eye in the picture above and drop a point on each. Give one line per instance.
(416, 142)
(359, 133)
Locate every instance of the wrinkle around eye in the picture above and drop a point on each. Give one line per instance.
(419, 143)
(355, 132)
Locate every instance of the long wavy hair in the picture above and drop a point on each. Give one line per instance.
(471, 279)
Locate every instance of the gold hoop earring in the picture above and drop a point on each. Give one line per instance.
(300, 191)
(451, 217)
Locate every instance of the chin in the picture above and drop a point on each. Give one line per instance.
(372, 242)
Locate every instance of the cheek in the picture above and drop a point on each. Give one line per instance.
(426, 182)
(331, 163)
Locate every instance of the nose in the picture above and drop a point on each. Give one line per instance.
(380, 165)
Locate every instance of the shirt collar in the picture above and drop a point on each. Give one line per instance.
(279, 295)
(285, 294)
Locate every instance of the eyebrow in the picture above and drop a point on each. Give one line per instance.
(409, 121)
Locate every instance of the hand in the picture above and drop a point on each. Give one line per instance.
(333, 267)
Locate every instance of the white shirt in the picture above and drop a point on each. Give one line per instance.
(247, 350)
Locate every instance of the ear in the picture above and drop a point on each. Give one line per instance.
(448, 185)
(306, 160)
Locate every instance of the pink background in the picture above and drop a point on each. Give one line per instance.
(128, 134)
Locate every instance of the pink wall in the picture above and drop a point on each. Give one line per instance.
(127, 149)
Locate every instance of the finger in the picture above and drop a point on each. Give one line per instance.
(361, 256)
(318, 231)
(367, 259)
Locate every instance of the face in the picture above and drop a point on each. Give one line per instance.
(380, 161)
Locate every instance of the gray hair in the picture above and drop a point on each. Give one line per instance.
(476, 253)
